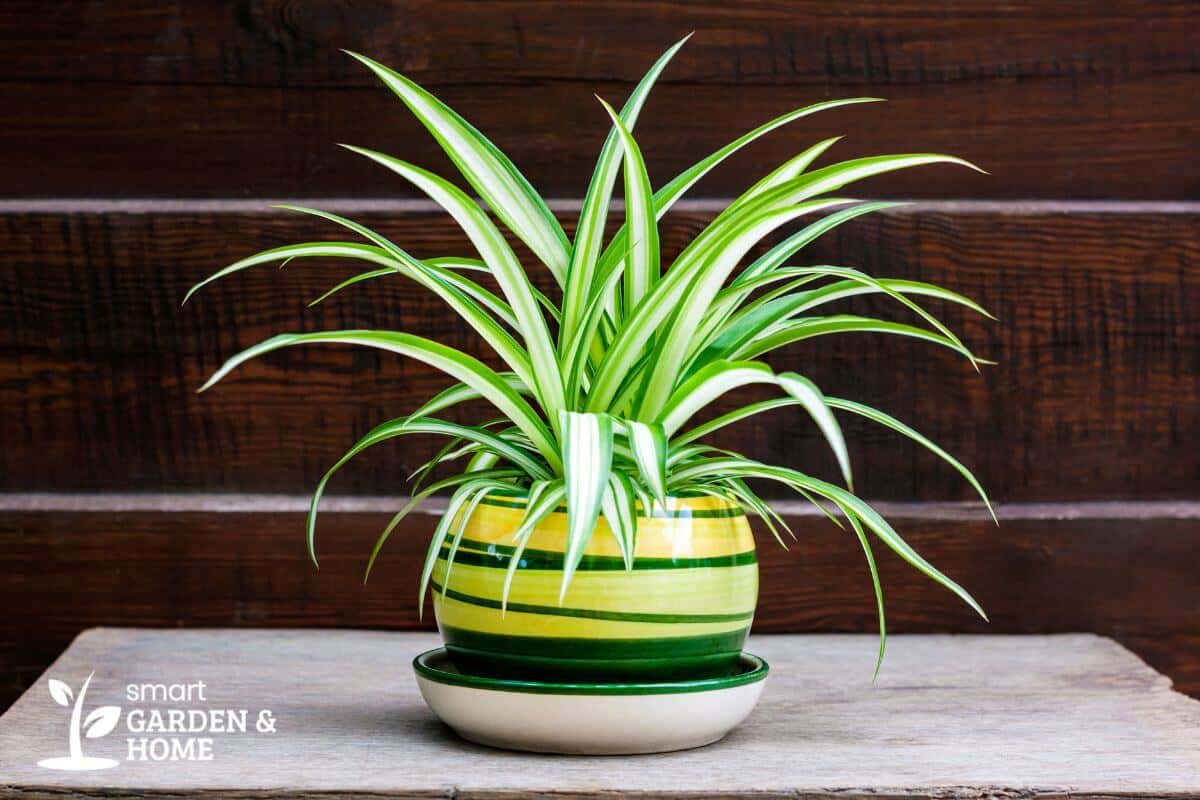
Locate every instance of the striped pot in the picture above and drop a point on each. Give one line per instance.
(683, 611)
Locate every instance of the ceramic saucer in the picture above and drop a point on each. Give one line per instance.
(588, 718)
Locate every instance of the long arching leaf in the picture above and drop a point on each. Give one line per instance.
(458, 365)
(642, 262)
(488, 170)
(353, 250)
(585, 251)
(889, 421)
(721, 377)
(444, 284)
(505, 267)
(844, 499)
(420, 497)
(668, 195)
(663, 301)
(461, 393)
(801, 329)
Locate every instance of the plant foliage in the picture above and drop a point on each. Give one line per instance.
(600, 386)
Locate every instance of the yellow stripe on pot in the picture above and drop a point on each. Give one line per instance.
(670, 537)
(708, 590)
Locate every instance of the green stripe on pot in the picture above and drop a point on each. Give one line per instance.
(590, 613)
(484, 554)
(549, 647)
(436, 666)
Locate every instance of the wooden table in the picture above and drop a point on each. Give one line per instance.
(951, 716)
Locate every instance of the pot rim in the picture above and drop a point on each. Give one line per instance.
(678, 505)
(524, 494)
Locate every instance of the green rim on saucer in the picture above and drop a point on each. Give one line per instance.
(435, 665)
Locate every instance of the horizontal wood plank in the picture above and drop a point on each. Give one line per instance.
(1125, 570)
(1080, 100)
(1095, 395)
(953, 718)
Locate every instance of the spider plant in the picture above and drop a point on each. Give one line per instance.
(602, 381)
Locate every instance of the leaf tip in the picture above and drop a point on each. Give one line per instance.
(208, 384)
(562, 591)
(971, 165)
(359, 57)
(608, 107)
(974, 604)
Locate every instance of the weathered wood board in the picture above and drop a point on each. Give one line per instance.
(226, 97)
(951, 716)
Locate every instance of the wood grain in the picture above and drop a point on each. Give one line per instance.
(1084, 99)
(1115, 569)
(1095, 395)
(957, 718)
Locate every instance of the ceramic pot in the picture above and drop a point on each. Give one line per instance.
(683, 612)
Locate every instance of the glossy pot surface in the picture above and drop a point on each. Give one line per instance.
(683, 611)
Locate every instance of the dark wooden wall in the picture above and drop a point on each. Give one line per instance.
(144, 141)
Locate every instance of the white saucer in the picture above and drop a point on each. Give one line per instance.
(588, 718)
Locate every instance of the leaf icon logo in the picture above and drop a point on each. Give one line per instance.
(100, 722)
(60, 692)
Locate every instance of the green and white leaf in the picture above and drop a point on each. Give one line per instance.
(642, 261)
(458, 365)
(648, 445)
(544, 498)
(587, 462)
(620, 511)
(489, 171)
(585, 251)
(721, 377)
